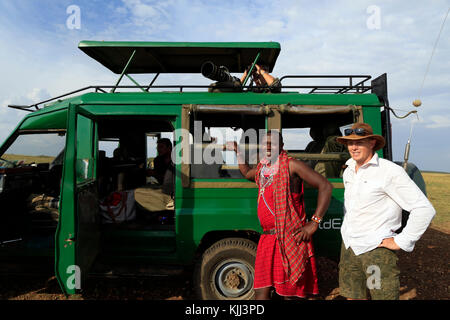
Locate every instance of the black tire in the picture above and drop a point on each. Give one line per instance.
(226, 270)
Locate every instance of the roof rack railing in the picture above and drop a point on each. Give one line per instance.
(36, 105)
(358, 87)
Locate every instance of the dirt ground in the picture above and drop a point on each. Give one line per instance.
(424, 276)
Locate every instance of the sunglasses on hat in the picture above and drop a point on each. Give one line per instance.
(357, 131)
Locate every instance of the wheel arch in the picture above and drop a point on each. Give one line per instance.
(212, 237)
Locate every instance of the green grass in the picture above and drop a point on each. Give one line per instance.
(28, 159)
(438, 190)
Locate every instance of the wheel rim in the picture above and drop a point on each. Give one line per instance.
(233, 279)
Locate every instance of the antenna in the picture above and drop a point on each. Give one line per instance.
(408, 144)
(417, 102)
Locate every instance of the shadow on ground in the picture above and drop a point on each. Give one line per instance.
(424, 276)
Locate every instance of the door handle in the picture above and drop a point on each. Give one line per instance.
(70, 239)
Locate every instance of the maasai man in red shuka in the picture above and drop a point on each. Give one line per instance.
(285, 257)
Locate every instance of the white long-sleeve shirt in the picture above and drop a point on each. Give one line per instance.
(373, 201)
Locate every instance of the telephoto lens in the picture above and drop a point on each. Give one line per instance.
(213, 72)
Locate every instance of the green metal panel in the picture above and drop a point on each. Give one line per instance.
(65, 253)
(139, 243)
(102, 110)
(179, 57)
(327, 239)
(55, 115)
(77, 235)
(203, 210)
(180, 98)
(372, 116)
(43, 121)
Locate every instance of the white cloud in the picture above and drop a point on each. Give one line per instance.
(438, 121)
(150, 16)
(38, 95)
(4, 106)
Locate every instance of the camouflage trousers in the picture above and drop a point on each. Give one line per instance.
(375, 271)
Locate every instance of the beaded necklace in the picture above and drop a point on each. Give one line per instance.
(266, 181)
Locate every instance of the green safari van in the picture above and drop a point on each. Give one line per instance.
(73, 155)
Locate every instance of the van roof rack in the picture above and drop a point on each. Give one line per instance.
(356, 84)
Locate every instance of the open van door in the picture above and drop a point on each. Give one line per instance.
(78, 236)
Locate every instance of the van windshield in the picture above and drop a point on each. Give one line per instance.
(34, 148)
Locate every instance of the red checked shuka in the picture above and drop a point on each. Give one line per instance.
(280, 262)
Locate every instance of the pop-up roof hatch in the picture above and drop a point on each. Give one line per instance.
(179, 57)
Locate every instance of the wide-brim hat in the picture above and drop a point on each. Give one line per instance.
(368, 133)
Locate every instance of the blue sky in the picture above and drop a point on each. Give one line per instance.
(39, 57)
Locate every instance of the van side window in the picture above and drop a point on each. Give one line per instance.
(208, 160)
(314, 142)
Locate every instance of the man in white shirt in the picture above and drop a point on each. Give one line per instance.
(376, 191)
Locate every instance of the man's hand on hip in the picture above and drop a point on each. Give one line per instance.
(389, 243)
(305, 233)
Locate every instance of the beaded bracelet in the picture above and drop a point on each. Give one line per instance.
(316, 219)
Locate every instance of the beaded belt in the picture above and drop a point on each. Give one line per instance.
(271, 231)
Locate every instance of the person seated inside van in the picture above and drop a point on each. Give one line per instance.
(325, 142)
(163, 160)
(159, 196)
(47, 201)
(128, 164)
(316, 145)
